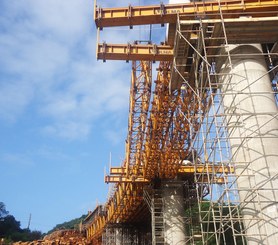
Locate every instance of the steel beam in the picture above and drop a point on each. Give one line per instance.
(147, 52)
(118, 174)
(201, 179)
(160, 14)
(123, 179)
(200, 168)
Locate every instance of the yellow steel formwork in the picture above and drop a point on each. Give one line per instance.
(243, 30)
(159, 14)
(156, 146)
(119, 175)
(134, 52)
(158, 143)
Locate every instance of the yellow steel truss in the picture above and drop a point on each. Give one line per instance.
(157, 142)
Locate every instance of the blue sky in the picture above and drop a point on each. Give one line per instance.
(61, 111)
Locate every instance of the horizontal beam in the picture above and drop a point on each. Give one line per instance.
(211, 180)
(118, 174)
(123, 179)
(207, 168)
(200, 168)
(147, 52)
(120, 179)
(160, 14)
(235, 21)
(240, 30)
(243, 30)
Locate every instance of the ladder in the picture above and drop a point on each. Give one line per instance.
(157, 218)
(154, 199)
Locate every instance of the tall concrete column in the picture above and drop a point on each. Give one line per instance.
(174, 212)
(118, 236)
(253, 130)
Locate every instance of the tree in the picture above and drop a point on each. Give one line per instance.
(3, 211)
(26, 235)
(9, 225)
(72, 224)
(10, 228)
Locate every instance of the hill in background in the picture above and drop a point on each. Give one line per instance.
(72, 224)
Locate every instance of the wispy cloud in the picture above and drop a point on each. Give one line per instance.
(17, 160)
(48, 60)
(61, 111)
(14, 97)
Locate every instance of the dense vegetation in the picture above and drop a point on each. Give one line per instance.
(11, 231)
(72, 224)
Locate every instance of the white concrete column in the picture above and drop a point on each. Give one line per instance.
(118, 236)
(253, 130)
(174, 231)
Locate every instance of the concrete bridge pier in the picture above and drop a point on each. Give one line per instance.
(252, 123)
(174, 212)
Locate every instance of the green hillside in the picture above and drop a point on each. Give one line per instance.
(72, 224)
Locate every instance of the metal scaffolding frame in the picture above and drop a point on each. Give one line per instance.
(125, 234)
(187, 134)
(190, 146)
(220, 206)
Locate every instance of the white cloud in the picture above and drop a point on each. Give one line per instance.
(68, 130)
(32, 56)
(63, 19)
(17, 159)
(92, 94)
(48, 52)
(14, 97)
(48, 61)
(125, 3)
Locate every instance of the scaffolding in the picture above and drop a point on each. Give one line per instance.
(201, 151)
(125, 234)
(198, 134)
(224, 131)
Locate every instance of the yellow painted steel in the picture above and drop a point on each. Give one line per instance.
(159, 14)
(243, 30)
(140, 94)
(157, 142)
(119, 174)
(147, 52)
(199, 168)
(121, 179)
